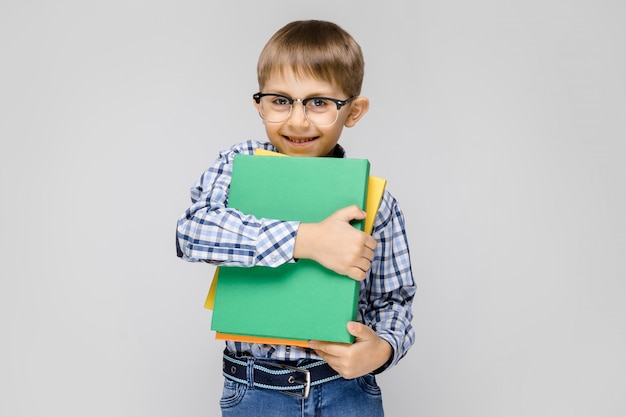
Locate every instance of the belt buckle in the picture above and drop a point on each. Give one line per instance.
(292, 380)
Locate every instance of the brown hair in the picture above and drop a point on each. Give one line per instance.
(314, 48)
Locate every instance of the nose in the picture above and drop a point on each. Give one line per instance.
(298, 114)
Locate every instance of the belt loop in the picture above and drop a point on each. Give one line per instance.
(250, 372)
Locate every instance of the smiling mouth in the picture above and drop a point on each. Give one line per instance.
(299, 140)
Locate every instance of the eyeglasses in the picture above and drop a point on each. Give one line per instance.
(319, 111)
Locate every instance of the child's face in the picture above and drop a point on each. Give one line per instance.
(296, 136)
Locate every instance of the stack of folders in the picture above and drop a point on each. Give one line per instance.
(300, 301)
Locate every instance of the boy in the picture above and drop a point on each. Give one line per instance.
(310, 75)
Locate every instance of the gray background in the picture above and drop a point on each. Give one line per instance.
(499, 125)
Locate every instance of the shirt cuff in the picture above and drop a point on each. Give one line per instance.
(392, 358)
(277, 247)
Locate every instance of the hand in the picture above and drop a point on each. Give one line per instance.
(368, 353)
(336, 244)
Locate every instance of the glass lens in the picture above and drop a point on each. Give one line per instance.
(321, 112)
(274, 109)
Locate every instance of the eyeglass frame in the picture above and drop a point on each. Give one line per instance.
(339, 103)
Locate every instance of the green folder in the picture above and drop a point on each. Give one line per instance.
(301, 300)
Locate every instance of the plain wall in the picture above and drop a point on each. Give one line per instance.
(498, 124)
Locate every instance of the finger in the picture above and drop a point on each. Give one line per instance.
(360, 331)
(363, 264)
(333, 361)
(370, 243)
(350, 213)
(327, 349)
(357, 274)
(321, 353)
(368, 254)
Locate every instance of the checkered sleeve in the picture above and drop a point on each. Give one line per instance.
(210, 231)
(387, 293)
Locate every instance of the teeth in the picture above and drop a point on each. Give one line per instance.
(300, 140)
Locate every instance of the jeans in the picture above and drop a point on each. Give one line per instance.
(359, 397)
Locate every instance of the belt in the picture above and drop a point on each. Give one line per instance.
(288, 379)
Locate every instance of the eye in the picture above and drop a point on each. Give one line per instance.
(317, 103)
(280, 101)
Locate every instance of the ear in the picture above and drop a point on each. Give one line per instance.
(358, 108)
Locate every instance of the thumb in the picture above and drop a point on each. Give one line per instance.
(350, 213)
(359, 330)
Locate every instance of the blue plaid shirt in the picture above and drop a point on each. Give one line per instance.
(211, 232)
